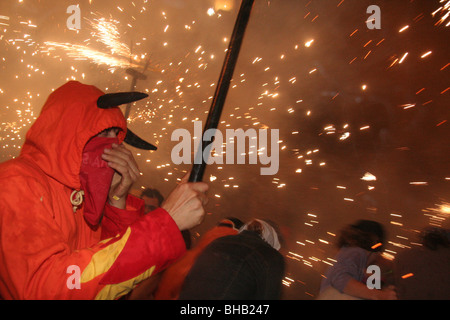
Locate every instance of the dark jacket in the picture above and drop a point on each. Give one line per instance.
(423, 274)
(239, 267)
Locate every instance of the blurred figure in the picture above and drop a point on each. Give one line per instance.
(246, 266)
(359, 246)
(423, 273)
(152, 198)
(173, 278)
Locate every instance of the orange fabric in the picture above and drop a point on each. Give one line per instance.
(173, 277)
(114, 220)
(67, 121)
(41, 237)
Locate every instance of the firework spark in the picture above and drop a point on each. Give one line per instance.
(79, 52)
(107, 33)
(281, 87)
(444, 12)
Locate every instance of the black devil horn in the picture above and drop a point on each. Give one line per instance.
(135, 141)
(111, 100)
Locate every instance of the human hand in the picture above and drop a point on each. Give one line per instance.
(388, 293)
(186, 203)
(126, 173)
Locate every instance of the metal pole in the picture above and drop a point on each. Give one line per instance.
(223, 85)
(136, 76)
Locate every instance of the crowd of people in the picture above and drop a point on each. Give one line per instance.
(419, 273)
(71, 229)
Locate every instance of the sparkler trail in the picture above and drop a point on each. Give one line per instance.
(79, 52)
(105, 32)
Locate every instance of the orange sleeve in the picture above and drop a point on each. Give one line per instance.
(116, 220)
(36, 261)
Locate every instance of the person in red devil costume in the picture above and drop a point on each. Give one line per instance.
(68, 227)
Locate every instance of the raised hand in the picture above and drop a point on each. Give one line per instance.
(126, 173)
(186, 203)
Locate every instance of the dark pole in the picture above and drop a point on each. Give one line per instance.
(223, 85)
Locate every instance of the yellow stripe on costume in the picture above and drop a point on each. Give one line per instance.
(103, 259)
(114, 291)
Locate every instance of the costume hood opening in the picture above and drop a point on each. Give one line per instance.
(73, 114)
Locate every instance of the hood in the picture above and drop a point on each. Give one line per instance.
(68, 119)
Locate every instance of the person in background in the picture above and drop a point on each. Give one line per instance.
(246, 266)
(423, 273)
(152, 199)
(359, 246)
(173, 278)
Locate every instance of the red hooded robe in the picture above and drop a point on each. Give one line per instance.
(43, 242)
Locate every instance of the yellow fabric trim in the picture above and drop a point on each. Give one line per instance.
(114, 291)
(103, 259)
